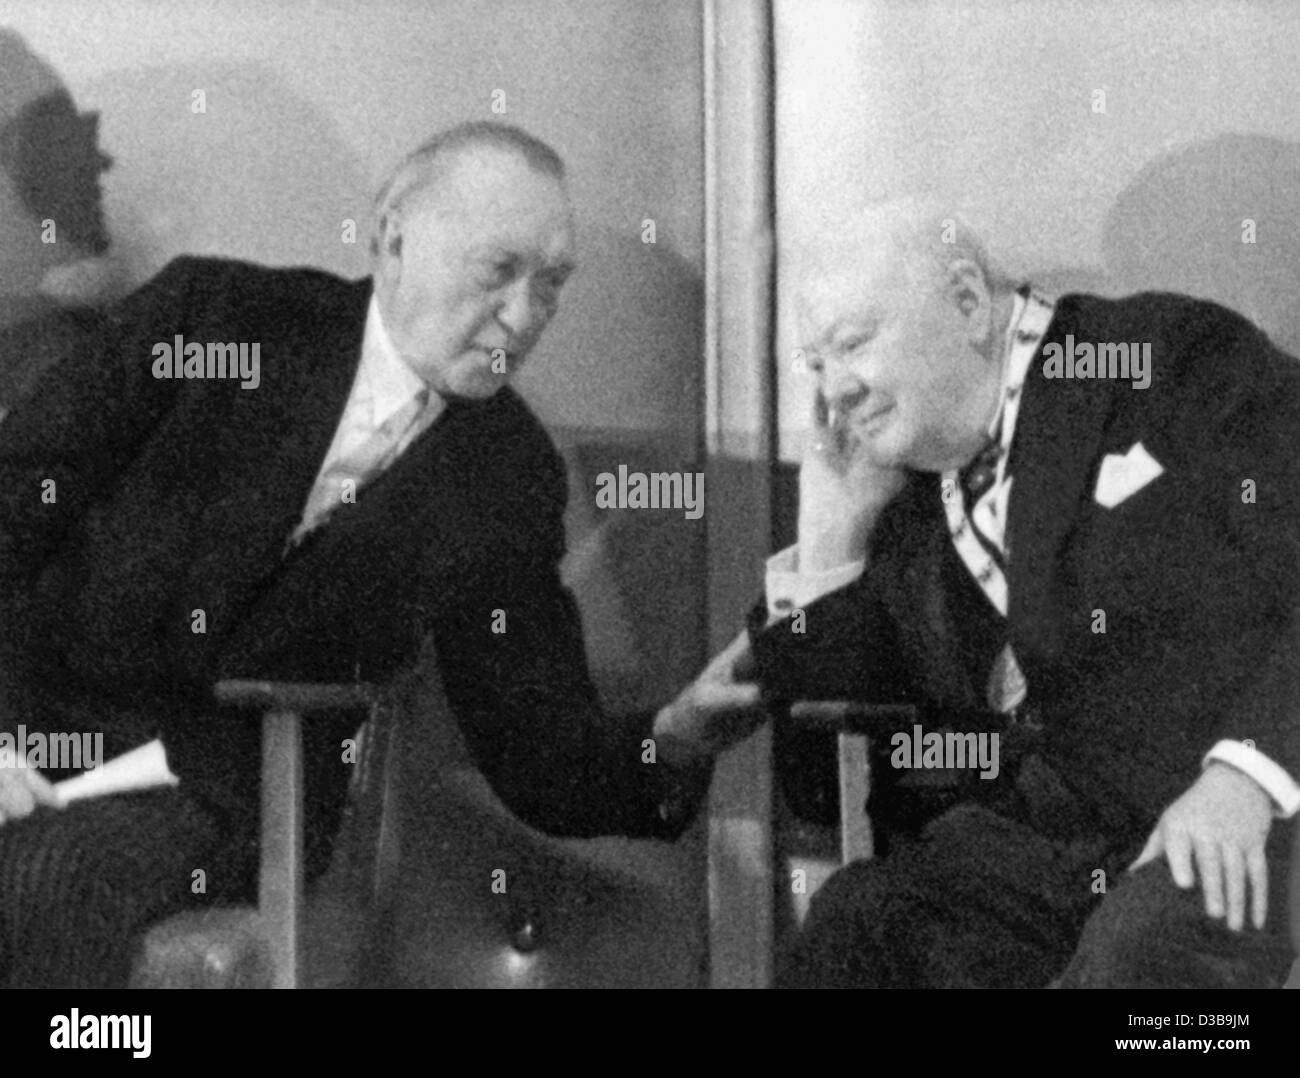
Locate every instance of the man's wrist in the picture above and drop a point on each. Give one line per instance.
(1272, 779)
(672, 745)
(830, 546)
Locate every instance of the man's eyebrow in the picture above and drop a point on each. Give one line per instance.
(830, 332)
(492, 252)
(856, 325)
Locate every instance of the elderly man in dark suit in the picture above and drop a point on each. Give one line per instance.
(274, 473)
(1086, 557)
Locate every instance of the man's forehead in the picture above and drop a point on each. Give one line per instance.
(830, 293)
(496, 181)
(491, 199)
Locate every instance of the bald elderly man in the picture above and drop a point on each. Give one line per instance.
(274, 473)
(1068, 527)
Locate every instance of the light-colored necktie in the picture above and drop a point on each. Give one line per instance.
(351, 472)
(976, 502)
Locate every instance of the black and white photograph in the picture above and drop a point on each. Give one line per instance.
(603, 494)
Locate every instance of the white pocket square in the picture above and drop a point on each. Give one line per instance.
(1123, 476)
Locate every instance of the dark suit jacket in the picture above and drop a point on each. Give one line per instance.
(33, 344)
(174, 496)
(1198, 581)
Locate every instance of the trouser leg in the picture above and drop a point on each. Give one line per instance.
(79, 886)
(979, 900)
(1149, 933)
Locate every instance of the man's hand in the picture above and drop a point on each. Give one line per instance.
(22, 789)
(841, 493)
(718, 709)
(1223, 821)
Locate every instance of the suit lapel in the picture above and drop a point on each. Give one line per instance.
(1058, 434)
(412, 532)
(273, 453)
(426, 493)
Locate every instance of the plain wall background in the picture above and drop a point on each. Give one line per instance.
(990, 106)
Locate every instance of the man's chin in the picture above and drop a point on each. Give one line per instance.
(475, 383)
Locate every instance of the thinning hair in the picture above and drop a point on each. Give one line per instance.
(931, 236)
(421, 169)
(924, 236)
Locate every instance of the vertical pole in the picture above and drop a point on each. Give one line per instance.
(740, 434)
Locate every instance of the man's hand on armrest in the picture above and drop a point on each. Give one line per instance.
(718, 709)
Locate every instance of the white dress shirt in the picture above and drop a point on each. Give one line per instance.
(384, 385)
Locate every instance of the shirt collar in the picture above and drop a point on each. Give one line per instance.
(1013, 372)
(386, 379)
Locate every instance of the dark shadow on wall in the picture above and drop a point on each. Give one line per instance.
(50, 165)
(48, 149)
(1179, 226)
(55, 264)
(637, 372)
(632, 318)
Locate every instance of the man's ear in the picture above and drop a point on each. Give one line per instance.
(386, 246)
(969, 293)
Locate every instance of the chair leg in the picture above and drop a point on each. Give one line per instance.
(281, 887)
(855, 784)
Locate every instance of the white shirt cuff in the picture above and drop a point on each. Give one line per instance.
(788, 589)
(1279, 785)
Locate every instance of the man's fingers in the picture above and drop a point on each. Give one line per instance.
(1234, 883)
(16, 799)
(737, 696)
(723, 665)
(1178, 851)
(1150, 851)
(43, 790)
(1257, 869)
(733, 663)
(1210, 864)
(745, 668)
(22, 789)
(740, 658)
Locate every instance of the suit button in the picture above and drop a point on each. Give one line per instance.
(526, 932)
(1027, 718)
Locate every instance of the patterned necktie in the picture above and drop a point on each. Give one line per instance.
(347, 475)
(978, 477)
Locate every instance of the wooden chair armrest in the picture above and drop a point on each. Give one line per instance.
(299, 696)
(853, 722)
(848, 716)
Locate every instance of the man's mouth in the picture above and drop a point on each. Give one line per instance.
(871, 418)
(497, 358)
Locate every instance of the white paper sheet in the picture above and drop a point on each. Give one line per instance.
(142, 768)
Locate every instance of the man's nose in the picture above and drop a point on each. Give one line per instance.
(843, 389)
(518, 312)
